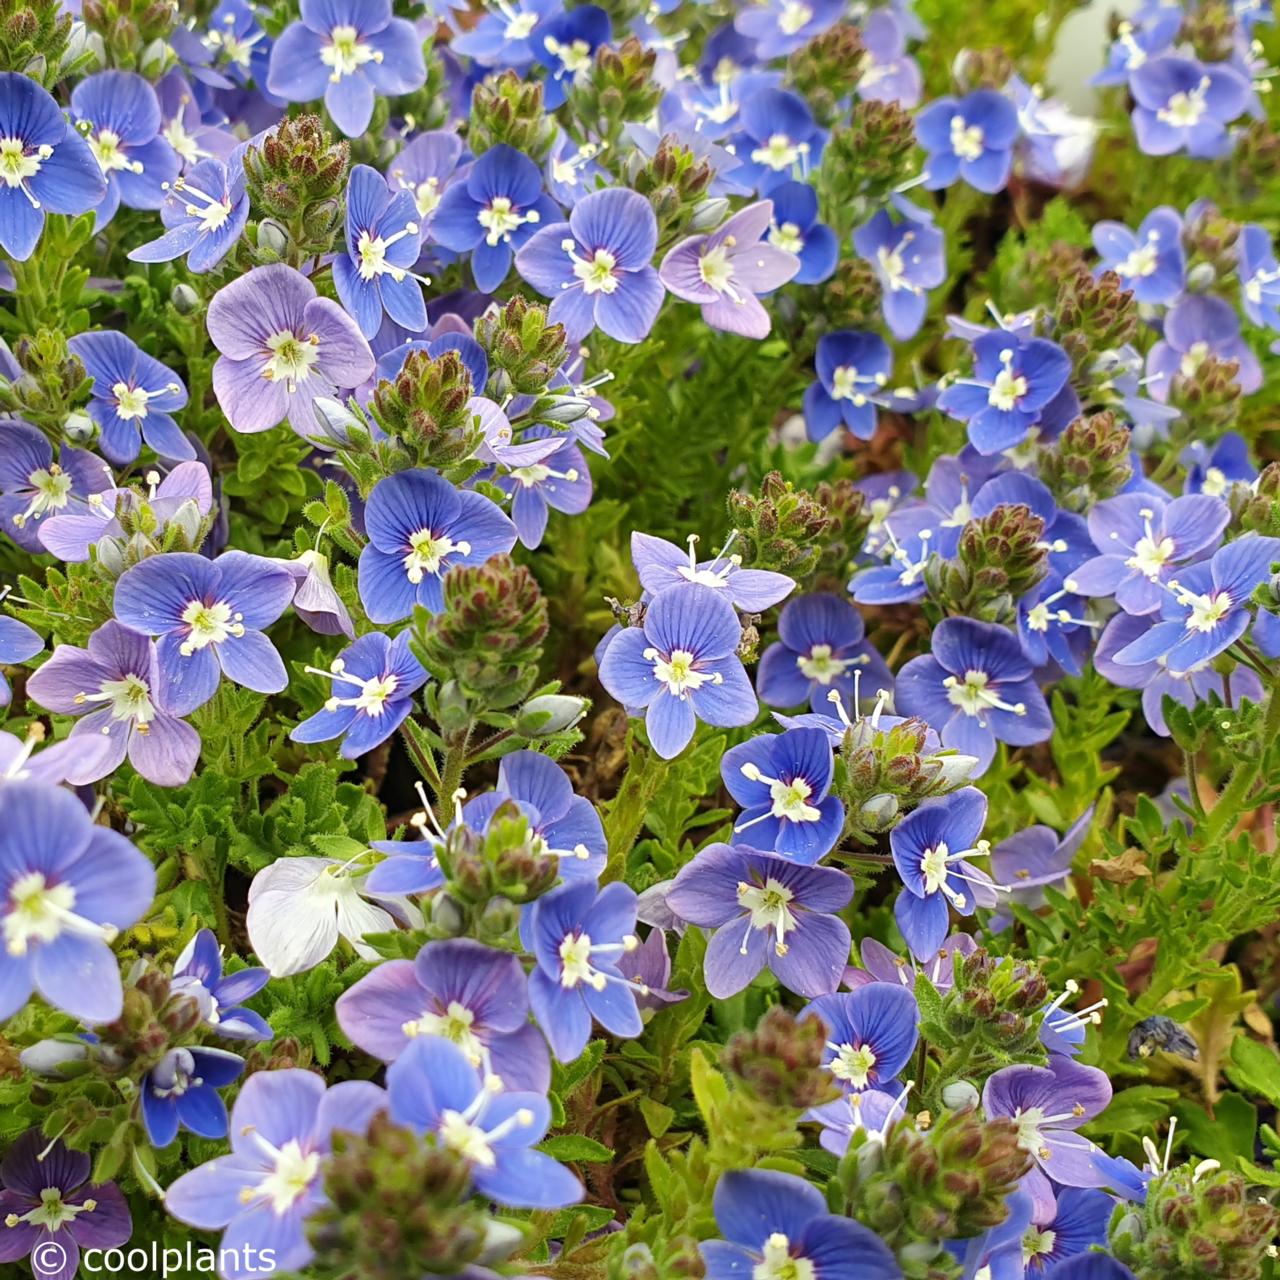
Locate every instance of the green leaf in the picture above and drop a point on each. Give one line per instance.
(1255, 1068)
(574, 1147)
(1224, 1136)
(658, 1117)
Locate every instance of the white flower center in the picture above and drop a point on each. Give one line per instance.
(293, 1172)
(597, 272)
(1215, 482)
(1151, 554)
(853, 1064)
(973, 697)
(1008, 387)
(1142, 261)
(894, 269)
(184, 143)
(291, 358)
(52, 489)
(521, 26)
(1206, 610)
(716, 270)
(793, 17)
(575, 960)
(454, 1024)
(426, 196)
(38, 911)
(1185, 110)
(820, 664)
(678, 672)
(769, 908)
(345, 54)
(778, 1264)
(17, 164)
(52, 1212)
(500, 218)
(573, 57)
(427, 554)
(787, 237)
(210, 624)
(966, 139)
(105, 145)
(130, 699)
(779, 152)
(1037, 1242)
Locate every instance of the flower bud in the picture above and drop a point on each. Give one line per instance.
(45, 1057)
(708, 214)
(959, 1095)
(550, 713)
(273, 239)
(185, 300)
(78, 427)
(879, 812)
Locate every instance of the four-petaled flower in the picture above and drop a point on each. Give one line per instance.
(1150, 262)
(205, 210)
(970, 138)
(682, 666)
(374, 681)
(871, 1032)
(1182, 104)
(33, 485)
(767, 912)
(908, 257)
(596, 267)
(782, 782)
(282, 347)
(853, 369)
(197, 974)
(181, 1091)
(661, 564)
(419, 528)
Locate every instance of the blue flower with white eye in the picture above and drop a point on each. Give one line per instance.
(198, 974)
(780, 27)
(1259, 276)
(778, 139)
(909, 258)
(1150, 262)
(565, 44)
(853, 369)
(1013, 381)
(1215, 470)
(1185, 105)
(181, 1092)
(205, 210)
(871, 1034)
(45, 165)
(509, 34)
(783, 781)
(970, 138)
(796, 229)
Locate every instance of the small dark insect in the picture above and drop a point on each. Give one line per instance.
(1158, 1032)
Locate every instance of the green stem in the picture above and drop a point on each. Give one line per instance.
(455, 763)
(627, 811)
(1226, 811)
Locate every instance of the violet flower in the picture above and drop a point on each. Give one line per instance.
(970, 138)
(975, 688)
(879, 964)
(198, 975)
(116, 685)
(67, 889)
(776, 1226)
(1185, 105)
(783, 781)
(374, 681)
(682, 666)
(788, 911)
(724, 271)
(661, 564)
(281, 348)
(33, 485)
(872, 1033)
(434, 1089)
(473, 995)
(264, 1191)
(1035, 858)
(181, 1092)
(208, 617)
(781, 27)
(1206, 609)
(383, 238)
(595, 267)
(853, 369)
(134, 397)
(419, 528)
(492, 212)
(119, 116)
(1142, 543)
(1048, 1104)
(205, 211)
(1259, 276)
(576, 936)
(931, 850)
(1151, 261)
(889, 73)
(424, 168)
(346, 52)
(559, 482)
(45, 165)
(18, 642)
(1197, 327)
(820, 650)
(51, 1210)
(1013, 380)
(908, 256)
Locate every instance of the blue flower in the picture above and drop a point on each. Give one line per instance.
(577, 936)
(776, 1225)
(197, 974)
(1259, 276)
(181, 1091)
(820, 649)
(1034, 858)
(782, 782)
(425, 168)
(491, 213)
(778, 140)
(508, 33)
(889, 73)
(871, 1034)
(1200, 326)
(1216, 470)
(119, 114)
(565, 46)
(45, 165)
(205, 210)
(559, 482)
(970, 138)
(434, 1089)
(346, 51)
(1052, 628)
(67, 889)
(596, 268)
(661, 564)
(208, 617)
(1136, 43)
(911, 539)
(682, 665)
(976, 689)
(374, 681)
(18, 642)
(134, 397)
(767, 912)
(1206, 607)
(931, 847)
(375, 274)
(780, 27)
(1151, 262)
(908, 256)
(853, 369)
(1185, 105)
(419, 528)
(796, 229)
(1013, 380)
